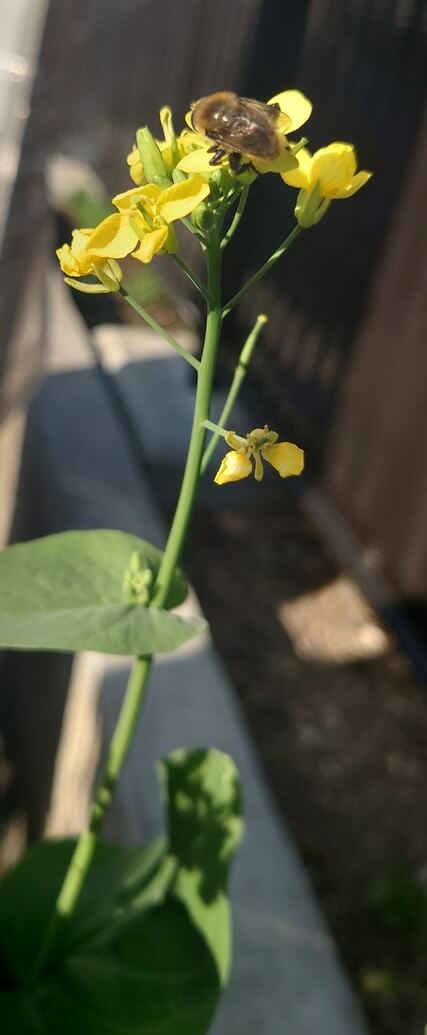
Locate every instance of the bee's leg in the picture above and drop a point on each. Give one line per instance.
(235, 160)
(218, 153)
(236, 164)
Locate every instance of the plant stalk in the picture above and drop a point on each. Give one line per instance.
(239, 374)
(159, 329)
(135, 692)
(191, 276)
(283, 247)
(191, 476)
(236, 218)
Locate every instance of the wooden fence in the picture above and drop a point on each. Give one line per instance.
(347, 350)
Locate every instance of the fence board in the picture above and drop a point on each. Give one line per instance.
(345, 351)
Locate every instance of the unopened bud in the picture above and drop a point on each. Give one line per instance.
(203, 217)
(151, 158)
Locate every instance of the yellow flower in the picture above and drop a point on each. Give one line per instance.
(146, 214)
(141, 228)
(330, 174)
(260, 444)
(77, 260)
(295, 109)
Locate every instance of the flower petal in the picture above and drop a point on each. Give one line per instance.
(286, 458)
(181, 199)
(295, 105)
(354, 185)
(95, 288)
(233, 468)
(113, 238)
(74, 260)
(286, 162)
(334, 166)
(198, 161)
(67, 261)
(166, 122)
(130, 198)
(152, 243)
(127, 199)
(79, 242)
(135, 166)
(301, 176)
(170, 146)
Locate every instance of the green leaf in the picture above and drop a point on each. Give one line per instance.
(156, 976)
(76, 591)
(19, 1014)
(116, 885)
(130, 960)
(203, 801)
(147, 948)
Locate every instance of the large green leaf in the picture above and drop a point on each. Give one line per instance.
(155, 975)
(74, 591)
(129, 962)
(117, 883)
(146, 950)
(203, 802)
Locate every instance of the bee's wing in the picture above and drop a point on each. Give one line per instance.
(272, 112)
(269, 110)
(249, 131)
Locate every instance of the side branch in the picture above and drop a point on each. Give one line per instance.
(238, 377)
(283, 247)
(159, 329)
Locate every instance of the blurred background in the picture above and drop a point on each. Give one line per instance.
(330, 660)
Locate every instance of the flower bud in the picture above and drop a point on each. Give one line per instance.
(151, 158)
(203, 218)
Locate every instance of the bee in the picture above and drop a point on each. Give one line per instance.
(238, 125)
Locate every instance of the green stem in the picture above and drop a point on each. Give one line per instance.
(159, 329)
(236, 218)
(201, 412)
(216, 428)
(86, 845)
(283, 247)
(191, 276)
(193, 230)
(239, 374)
(135, 692)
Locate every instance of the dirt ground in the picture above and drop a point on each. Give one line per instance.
(341, 726)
